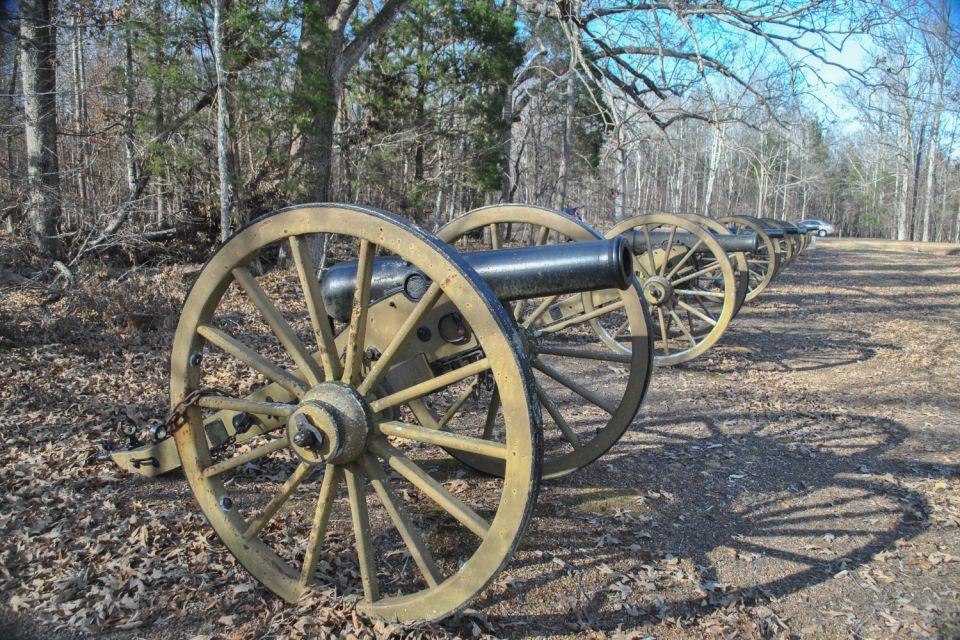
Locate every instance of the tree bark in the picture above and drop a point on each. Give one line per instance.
(620, 199)
(38, 61)
(566, 158)
(80, 108)
(128, 124)
(324, 58)
(12, 217)
(223, 143)
(715, 150)
(931, 163)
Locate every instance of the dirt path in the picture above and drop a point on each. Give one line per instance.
(799, 480)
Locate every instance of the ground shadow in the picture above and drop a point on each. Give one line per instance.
(830, 503)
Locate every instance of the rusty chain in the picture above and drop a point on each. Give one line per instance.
(177, 417)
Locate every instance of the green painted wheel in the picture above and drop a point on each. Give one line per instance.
(408, 539)
(589, 394)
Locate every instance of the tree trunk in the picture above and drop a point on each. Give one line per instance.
(12, 217)
(566, 158)
(931, 163)
(903, 180)
(128, 124)
(715, 150)
(223, 142)
(324, 58)
(80, 109)
(620, 203)
(506, 144)
(38, 60)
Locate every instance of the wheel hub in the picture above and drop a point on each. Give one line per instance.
(657, 290)
(331, 425)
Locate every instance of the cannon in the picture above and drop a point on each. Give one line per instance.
(696, 273)
(687, 279)
(321, 443)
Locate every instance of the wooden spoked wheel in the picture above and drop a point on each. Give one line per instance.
(738, 260)
(589, 395)
(788, 247)
(689, 286)
(804, 237)
(408, 539)
(763, 263)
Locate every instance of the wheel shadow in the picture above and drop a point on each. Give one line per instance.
(802, 347)
(712, 510)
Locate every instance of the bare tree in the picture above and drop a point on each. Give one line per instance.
(38, 60)
(223, 161)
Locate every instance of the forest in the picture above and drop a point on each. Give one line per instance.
(133, 127)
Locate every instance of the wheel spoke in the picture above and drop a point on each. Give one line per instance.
(666, 255)
(463, 397)
(358, 316)
(638, 264)
(574, 386)
(704, 294)
(254, 454)
(494, 236)
(693, 341)
(713, 266)
(517, 309)
(299, 475)
(429, 386)
(583, 317)
(361, 532)
(539, 311)
(251, 358)
(278, 325)
(691, 310)
(619, 330)
(542, 236)
(315, 306)
(664, 330)
(405, 527)
(491, 414)
(649, 251)
(275, 409)
(321, 517)
(585, 354)
(467, 444)
(558, 418)
(700, 302)
(684, 259)
(406, 329)
(430, 487)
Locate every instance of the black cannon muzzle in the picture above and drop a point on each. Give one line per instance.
(513, 274)
(730, 243)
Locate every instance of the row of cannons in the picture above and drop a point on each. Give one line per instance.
(362, 406)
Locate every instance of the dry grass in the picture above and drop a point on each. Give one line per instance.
(905, 246)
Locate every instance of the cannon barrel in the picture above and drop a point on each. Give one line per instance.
(637, 239)
(775, 233)
(513, 274)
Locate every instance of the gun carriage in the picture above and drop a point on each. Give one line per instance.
(326, 405)
(414, 361)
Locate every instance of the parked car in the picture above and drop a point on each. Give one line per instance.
(823, 228)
